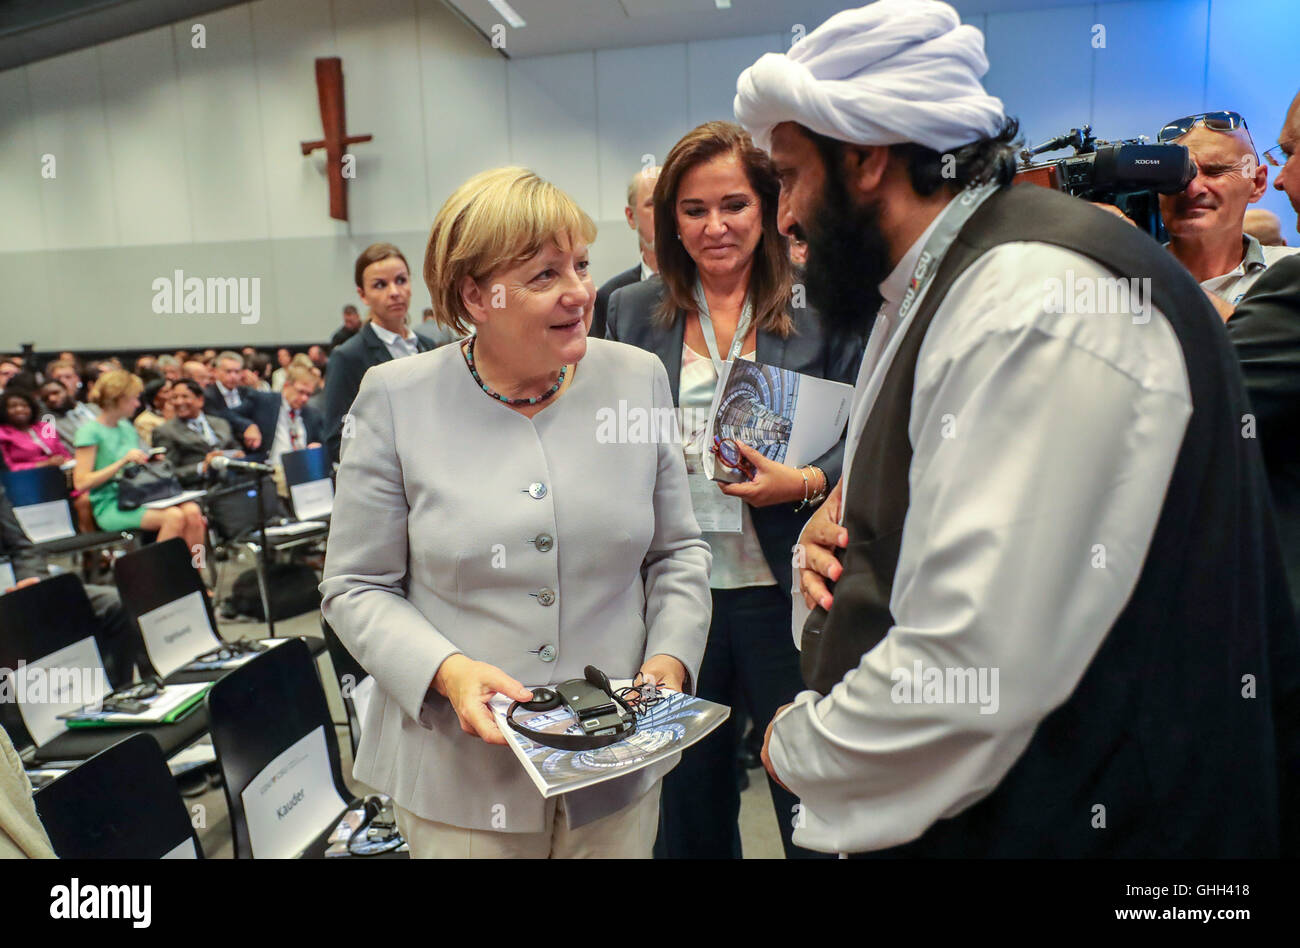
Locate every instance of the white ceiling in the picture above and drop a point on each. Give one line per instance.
(564, 26)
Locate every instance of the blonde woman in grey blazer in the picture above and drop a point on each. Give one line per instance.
(494, 530)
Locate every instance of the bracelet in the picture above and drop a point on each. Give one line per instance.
(803, 472)
(821, 491)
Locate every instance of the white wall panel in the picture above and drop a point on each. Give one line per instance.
(463, 104)
(21, 225)
(553, 122)
(68, 123)
(715, 65)
(224, 152)
(146, 152)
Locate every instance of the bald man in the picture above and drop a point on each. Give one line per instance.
(640, 214)
(1205, 220)
(1287, 178)
(1264, 226)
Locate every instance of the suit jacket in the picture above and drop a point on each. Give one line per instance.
(186, 449)
(348, 363)
(263, 409)
(1265, 331)
(600, 313)
(214, 404)
(536, 545)
(14, 544)
(809, 349)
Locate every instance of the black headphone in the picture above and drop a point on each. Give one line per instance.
(605, 717)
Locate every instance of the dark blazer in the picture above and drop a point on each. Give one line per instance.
(1265, 331)
(263, 409)
(810, 349)
(348, 363)
(186, 449)
(214, 404)
(14, 544)
(599, 314)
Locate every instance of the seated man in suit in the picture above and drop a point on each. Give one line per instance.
(640, 214)
(192, 438)
(290, 424)
(225, 396)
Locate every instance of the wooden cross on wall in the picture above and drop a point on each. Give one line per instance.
(329, 88)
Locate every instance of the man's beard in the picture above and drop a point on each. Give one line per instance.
(848, 257)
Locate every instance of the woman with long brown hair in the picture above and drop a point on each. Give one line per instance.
(724, 291)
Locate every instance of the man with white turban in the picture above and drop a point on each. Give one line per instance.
(1049, 569)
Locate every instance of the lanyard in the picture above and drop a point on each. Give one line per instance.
(31, 432)
(932, 254)
(706, 327)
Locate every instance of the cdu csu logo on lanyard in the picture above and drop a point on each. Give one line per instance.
(918, 277)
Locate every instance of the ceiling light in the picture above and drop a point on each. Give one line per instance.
(507, 11)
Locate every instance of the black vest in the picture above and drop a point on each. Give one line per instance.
(1157, 731)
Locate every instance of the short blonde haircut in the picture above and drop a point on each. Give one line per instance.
(494, 220)
(299, 373)
(114, 386)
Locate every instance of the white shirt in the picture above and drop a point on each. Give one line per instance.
(1232, 286)
(1042, 446)
(285, 428)
(231, 396)
(398, 346)
(646, 272)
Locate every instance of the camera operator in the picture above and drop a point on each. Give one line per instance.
(1206, 220)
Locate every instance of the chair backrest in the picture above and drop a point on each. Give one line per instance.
(166, 597)
(349, 673)
(40, 500)
(38, 624)
(120, 804)
(257, 713)
(311, 488)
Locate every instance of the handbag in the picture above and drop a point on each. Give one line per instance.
(138, 484)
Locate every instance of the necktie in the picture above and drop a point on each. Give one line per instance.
(295, 441)
(199, 428)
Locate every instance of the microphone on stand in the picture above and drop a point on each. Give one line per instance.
(221, 462)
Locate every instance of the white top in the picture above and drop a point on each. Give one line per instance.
(738, 559)
(286, 427)
(398, 346)
(1042, 444)
(1232, 286)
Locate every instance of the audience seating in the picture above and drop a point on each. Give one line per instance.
(40, 491)
(120, 804)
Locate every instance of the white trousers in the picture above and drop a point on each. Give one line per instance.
(628, 834)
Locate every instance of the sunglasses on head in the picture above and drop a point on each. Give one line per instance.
(1277, 156)
(1214, 121)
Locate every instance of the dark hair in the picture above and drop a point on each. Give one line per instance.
(983, 161)
(373, 254)
(23, 394)
(190, 384)
(350, 308)
(259, 362)
(151, 390)
(770, 280)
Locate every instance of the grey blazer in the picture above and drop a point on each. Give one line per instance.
(536, 545)
(186, 450)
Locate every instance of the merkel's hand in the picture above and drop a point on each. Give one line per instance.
(773, 482)
(817, 544)
(469, 686)
(665, 670)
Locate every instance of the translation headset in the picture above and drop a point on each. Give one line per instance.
(605, 717)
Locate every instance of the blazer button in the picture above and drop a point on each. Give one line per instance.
(543, 542)
(537, 490)
(546, 596)
(546, 653)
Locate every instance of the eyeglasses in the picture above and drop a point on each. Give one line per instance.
(1214, 121)
(133, 700)
(730, 457)
(1277, 156)
(231, 650)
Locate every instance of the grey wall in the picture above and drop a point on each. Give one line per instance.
(171, 157)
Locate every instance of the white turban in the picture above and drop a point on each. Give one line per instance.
(891, 72)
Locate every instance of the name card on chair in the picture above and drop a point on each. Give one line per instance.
(44, 522)
(61, 682)
(292, 800)
(176, 632)
(312, 500)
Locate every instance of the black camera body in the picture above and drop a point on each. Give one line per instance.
(1127, 174)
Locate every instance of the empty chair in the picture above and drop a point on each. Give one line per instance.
(278, 755)
(49, 627)
(40, 500)
(307, 474)
(350, 674)
(120, 804)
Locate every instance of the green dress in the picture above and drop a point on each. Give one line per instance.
(110, 444)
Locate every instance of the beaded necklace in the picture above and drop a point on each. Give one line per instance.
(468, 352)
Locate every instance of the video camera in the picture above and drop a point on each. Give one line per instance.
(1128, 174)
